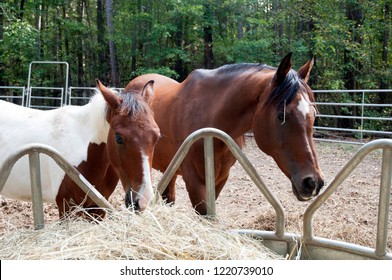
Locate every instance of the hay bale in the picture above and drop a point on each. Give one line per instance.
(161, 232)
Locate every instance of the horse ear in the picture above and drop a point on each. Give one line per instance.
(304, 71)
(110, 97)
(148, 90)
(283, 69)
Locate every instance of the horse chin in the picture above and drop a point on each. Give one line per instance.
(298, 196)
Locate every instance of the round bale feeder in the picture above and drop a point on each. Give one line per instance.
(280, 243)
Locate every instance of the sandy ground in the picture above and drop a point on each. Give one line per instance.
(348, 215)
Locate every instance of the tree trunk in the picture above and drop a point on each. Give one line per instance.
(385, 97)
(353, 65)
(2, 82)
(278, 29)
(179, 66)
(79, 51)
(112, 48)
(21, 9)
(101, 41)
(207, 30)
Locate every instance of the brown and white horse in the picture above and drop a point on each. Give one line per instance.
(111, 138)
(276, 103)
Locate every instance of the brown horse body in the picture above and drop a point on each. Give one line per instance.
(274, 103)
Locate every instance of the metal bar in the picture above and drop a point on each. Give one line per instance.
(337, 181)
(352, 130)
(351, 90)
(242, 159)
(71, 98)
(65, 88)
(362, 115)
(333, 249)
(337, 141)
(209, 167)
(36, 189)
(384, 202)
(350, 104)
(69, 169)
(351, 117)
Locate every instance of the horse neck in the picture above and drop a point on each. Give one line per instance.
(238, 105)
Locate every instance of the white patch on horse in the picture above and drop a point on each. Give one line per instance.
(303, 107)
(146, 192)
(69, 130)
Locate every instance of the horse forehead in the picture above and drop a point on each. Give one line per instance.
(137, 126)
(303, 106)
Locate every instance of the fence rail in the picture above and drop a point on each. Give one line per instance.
(352, 116)
(350, 122)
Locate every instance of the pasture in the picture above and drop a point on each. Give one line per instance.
(349, 215)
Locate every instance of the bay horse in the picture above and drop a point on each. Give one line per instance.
(276, 103)
(111, 138)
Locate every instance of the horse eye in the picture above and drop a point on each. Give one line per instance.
(119, 139)
(281, 116)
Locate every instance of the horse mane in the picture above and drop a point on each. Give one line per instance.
(285, 92)
(133, 103)
(240, 68)
(227, 70)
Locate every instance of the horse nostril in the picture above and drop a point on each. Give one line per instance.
(130, 203)
(309, 185)
(136, 205)
(320, 185)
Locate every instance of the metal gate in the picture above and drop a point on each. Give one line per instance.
(305, 246)
(57, 96)
(34, 151)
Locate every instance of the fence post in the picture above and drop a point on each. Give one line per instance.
(209, 167)
(362, 115)
(36, 189)
(384, 201)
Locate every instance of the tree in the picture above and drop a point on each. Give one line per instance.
(112, 48)
(209, 62)
(174, 37)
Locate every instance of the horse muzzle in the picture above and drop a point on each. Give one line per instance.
(131, 200)
(140, 200)
(307, 188)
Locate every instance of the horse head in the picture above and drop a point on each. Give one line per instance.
(132, 136)
(283, 127)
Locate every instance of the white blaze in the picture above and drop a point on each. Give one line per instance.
(146, 192)
(303, 107)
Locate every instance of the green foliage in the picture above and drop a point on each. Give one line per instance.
(166, 71)
(17, 49)
(351, 44)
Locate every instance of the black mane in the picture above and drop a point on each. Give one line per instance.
(240, 67)
(283, 93)
(286, 90)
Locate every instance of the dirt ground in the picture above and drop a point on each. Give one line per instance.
(348, 215)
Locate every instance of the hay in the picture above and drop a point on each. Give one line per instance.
(159, 233)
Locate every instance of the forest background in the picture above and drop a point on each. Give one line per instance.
(118, 40)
